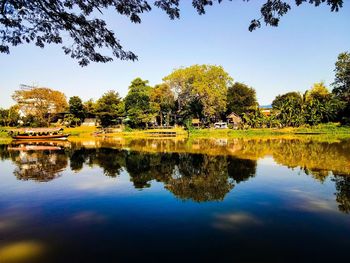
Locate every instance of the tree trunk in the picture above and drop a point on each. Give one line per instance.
(161, 118)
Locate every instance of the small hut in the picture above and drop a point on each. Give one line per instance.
(90, 122)
(234, 119)
(196, 123)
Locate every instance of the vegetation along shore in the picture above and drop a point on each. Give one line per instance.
(199, 101)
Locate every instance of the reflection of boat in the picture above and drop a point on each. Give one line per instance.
(34, 148)
(40, 145)
(38, 133)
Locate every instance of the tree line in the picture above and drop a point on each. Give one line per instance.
(204, 92)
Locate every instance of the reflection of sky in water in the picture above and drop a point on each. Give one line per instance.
(278, 212)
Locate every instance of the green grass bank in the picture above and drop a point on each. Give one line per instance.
(327, 131)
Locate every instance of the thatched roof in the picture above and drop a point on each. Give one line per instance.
(232, 115)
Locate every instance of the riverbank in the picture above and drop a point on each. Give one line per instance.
(323, 132)
(327, 131)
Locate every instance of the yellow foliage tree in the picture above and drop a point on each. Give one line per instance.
(40, 102)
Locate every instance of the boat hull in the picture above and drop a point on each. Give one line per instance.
(41, 137)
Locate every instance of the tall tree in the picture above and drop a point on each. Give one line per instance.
(44, 22)
(164, 100)
(320, 105)
(138, 103)
(9, 117)
(41, 103)
(318, 92)
(289, 109)
(109, 108)
(76, 107)
(200, 90)
(89, 107)
(341, 85)
(241, 98)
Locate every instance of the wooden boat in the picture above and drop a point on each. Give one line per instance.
(38, 134)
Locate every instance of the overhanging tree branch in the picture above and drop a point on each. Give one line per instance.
(44, 21)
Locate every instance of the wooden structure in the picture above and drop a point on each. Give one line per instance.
(196, 123)
(90, 122)
(162, 133)
(38, 134)
(234, 119)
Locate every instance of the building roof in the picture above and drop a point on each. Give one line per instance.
(232, 115)
(195, 121)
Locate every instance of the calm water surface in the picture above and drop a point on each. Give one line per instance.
(175, 201)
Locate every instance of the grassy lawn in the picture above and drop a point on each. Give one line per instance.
(331, 130)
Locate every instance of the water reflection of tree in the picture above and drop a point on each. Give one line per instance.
(41, 166)
(189, 176)
(5, 154)
(200, 178)
(110, 160)
(145, 167)
(342, 185)
(241, 169)
(315, 158)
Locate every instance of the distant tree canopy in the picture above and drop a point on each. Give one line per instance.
(76, 107)
(280, 100)
(9, 117)
(138, 103)
(109, 107)
(315, 106)
(240, 98)
(341, 85)
(318, 92)
(45, 22)
(89, 107)
(40, 103)
(163, 101)
(200, 90)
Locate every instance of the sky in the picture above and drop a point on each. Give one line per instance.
(272, 60)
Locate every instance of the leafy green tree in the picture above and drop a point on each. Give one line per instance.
(76, 107)
(138, 103)
(89, 107)
(4, 117)
(320, 105)
(255, 119)
(241, 98)
(318, 92)
(289, 109)
(45, 22)
(109, 108)
(9, 117)
(13, 116)
(164, 101)
(281, 99)
(341, 85)
(200, 90)
(71, 120)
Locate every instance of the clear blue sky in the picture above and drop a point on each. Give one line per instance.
(301, 51)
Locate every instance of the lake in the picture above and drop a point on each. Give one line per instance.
(168, 200)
